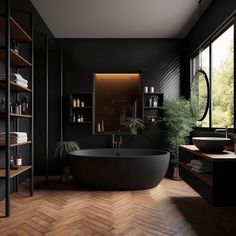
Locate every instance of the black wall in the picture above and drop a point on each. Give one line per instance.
(210, 21)
(158, 59)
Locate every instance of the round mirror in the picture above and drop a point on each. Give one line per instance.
(199, 95)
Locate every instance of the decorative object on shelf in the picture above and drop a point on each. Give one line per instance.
(61, 151)
(178, 122)
(77, 102)
(146, 89)
(25, 106)
(18, 161)
(150, 102)
(151, 89)
(98, 127)
(155, 102)
(102, 126)
(15, 47)
(2, 106)
(74, 102)
(134, 124)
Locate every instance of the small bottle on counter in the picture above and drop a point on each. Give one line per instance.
(81, 118)
(82, 104)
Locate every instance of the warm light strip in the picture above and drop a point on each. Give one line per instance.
(117, 76)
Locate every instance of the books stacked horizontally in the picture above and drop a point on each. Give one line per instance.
(15, 137)
(17, 78)
(201, 166)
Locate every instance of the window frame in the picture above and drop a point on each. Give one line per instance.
(208, 43)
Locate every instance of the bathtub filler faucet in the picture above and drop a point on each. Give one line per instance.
(226, 131)
(115, 142)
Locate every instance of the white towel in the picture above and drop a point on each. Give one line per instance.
(202, 167)
(201, 162)
(202, 171)
(22, 84)
(16, 77)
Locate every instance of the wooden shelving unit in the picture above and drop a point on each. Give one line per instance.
(215, 187)
(13, 63)
(14, 173)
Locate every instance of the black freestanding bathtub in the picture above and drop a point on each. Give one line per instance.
(119, 169)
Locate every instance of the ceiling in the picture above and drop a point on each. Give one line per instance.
(120, 18)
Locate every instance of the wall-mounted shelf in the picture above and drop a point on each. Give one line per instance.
(17, 33)
(85, 111)
(14, 173)
(15, 59)
(151, 111)
(15, 87)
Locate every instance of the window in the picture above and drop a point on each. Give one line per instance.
(217, 60)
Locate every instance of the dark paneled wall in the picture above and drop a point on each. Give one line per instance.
(213, 18)
(158, 59)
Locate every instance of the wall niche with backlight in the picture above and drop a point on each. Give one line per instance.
(116, 98)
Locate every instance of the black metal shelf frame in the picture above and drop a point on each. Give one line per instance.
(8, 115)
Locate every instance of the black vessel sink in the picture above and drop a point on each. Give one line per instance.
(211, 144)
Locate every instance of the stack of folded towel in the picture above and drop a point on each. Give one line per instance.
(201, 166)
(17, 78)
(15, 137)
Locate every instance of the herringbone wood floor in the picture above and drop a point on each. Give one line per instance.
(172, 208)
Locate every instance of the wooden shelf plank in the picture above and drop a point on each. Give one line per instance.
(153, 107)
(16, 115)
(224, 156)
(15, 87)
(17, 33)
(15, 58)
(14, 173)
(88, 107)
(206, 177)
(16, 144)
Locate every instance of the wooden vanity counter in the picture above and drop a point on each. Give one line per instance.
(218, 187)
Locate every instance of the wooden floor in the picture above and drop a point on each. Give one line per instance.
(172, 208)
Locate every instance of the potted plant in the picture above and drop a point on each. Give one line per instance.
(134, 124)
(178, 123)
(62, 148)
